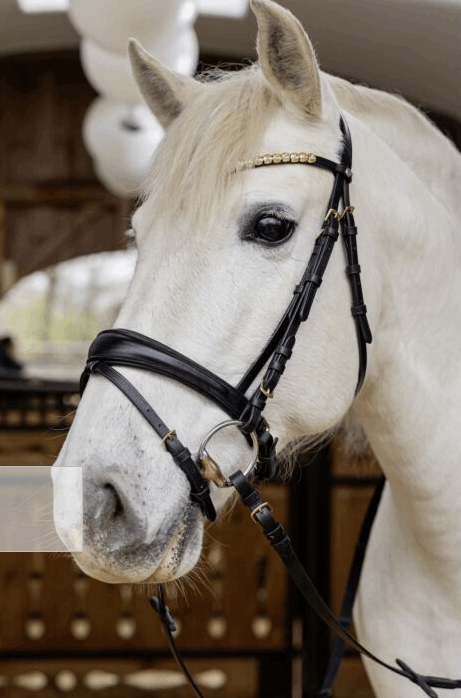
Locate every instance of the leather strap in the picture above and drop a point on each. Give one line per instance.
(281, 344)
(345, 615)
(312, 277)
(120, 347)
(200, 492)
(158, 604)
(280, 541)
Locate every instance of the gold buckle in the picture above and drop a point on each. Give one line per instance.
(264, 505)
(346, 210)
(266, 391)
(170, 435)
(332, 212)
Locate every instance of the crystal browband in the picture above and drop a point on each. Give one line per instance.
(276, 159)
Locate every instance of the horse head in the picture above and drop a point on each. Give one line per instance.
(221, 246)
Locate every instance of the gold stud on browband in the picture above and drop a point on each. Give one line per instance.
(276, 159)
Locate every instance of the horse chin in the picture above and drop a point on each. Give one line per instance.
(173, 561)
(181, 556)
(177, 561)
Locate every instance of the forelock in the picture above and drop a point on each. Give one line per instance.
(196, 159)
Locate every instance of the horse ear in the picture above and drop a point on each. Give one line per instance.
(286, 56)
(165, 91)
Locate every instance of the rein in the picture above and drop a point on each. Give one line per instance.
(121, 347)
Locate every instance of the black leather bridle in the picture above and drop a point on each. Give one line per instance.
(120, 347)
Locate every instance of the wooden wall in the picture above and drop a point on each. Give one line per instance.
(52, 207)
(64, 632)
(56, 622)
(245, 620)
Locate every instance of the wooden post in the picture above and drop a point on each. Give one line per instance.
(8, 267)
(2, 241)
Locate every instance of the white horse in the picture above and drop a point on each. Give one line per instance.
(206, 286)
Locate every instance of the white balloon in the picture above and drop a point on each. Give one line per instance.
(118, 184)
(111, 23)
(122, 140)
(180, 54)
(110, 73)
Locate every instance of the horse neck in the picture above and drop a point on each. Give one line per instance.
(410, 134)
(410, 406)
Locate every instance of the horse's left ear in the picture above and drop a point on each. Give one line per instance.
(286, 57)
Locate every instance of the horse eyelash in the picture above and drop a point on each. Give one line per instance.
(279, 212)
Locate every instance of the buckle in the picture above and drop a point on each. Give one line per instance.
(258, 510)
(266, 391)
(170, 435)
(332, 212)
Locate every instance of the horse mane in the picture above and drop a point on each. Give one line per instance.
(410, 133)
(195, 160)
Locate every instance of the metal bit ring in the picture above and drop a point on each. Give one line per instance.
(203, 453)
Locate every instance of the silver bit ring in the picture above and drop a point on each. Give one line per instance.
(203, 453)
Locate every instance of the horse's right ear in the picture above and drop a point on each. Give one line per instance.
(165, 91)
(287, 57)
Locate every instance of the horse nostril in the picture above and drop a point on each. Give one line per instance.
(116, 505)
(111, 519)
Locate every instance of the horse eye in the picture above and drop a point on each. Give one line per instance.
(272, 230)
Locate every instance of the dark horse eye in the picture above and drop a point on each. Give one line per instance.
(272, 230)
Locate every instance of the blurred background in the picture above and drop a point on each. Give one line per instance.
(75, 145)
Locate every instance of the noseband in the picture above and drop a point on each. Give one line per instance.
(120, 347)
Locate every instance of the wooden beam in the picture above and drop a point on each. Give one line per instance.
(43, 254)
(56, 193)
(6, 267)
